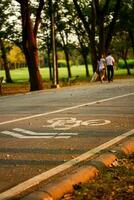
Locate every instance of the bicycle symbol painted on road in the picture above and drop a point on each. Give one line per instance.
(61, 124)
(66, 123)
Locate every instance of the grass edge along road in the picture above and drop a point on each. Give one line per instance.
(114, 182)
(21, 79)
(21, 74)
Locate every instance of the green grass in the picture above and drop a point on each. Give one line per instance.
(21, 75)
(130, 63)
(122, 73)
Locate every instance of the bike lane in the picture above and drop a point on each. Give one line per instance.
(36, 144)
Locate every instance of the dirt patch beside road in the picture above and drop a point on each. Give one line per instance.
(115, 183)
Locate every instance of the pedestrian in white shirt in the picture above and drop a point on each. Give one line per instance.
(110, 67)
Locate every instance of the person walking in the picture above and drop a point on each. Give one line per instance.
(101, 68)
(110, 67)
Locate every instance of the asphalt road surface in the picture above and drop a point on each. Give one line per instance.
(41, 130)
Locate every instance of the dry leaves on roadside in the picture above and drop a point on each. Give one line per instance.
(116, 183)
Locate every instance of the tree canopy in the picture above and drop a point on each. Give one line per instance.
(91, 26)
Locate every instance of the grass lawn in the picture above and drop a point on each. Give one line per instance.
(21, 74)
(20, 77)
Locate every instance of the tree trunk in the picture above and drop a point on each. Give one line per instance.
(57, 74)
(127, 67)
(125, 60)
(93, 51)
(30, 48)
(83, 50)
(101, 36)
(49, 65)
(4, 57)
(67, 61)
(86, 64)
(90, 32)
(66, 52)
(31, 54)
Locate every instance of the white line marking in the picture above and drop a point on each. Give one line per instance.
(64, 109)
(17, 135)
(36, 135)
(12, 134)
(28, 132)
(67, 134)
(62, 137)
(41, 177)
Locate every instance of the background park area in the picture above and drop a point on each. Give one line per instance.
(58, 43)
(20, 78)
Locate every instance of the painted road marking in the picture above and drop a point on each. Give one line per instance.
(20, 136)
(96, 122)
(63, 123)
(42, 177)
(65, 109)
(30, 134)
(66, 123)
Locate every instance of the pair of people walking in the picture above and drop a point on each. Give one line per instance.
(104, 63)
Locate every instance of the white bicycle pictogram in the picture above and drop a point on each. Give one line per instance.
(66, 123)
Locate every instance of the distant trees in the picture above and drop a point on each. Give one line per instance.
(16, 57)
(123, 39)
(78, 31)
(96, 26)
(127, 19)
(99, 19)
(4, 30)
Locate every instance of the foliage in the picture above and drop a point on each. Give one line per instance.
(15, 55)
(130, 62)
(61, 63)
(80, 33)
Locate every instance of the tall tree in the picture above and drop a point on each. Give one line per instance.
(29, 35)
(121, 44)
(5, 61)
(4, 27)
(65, 44)
(127, 19)
(99, 19)
(76, 31)
(83, 43)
